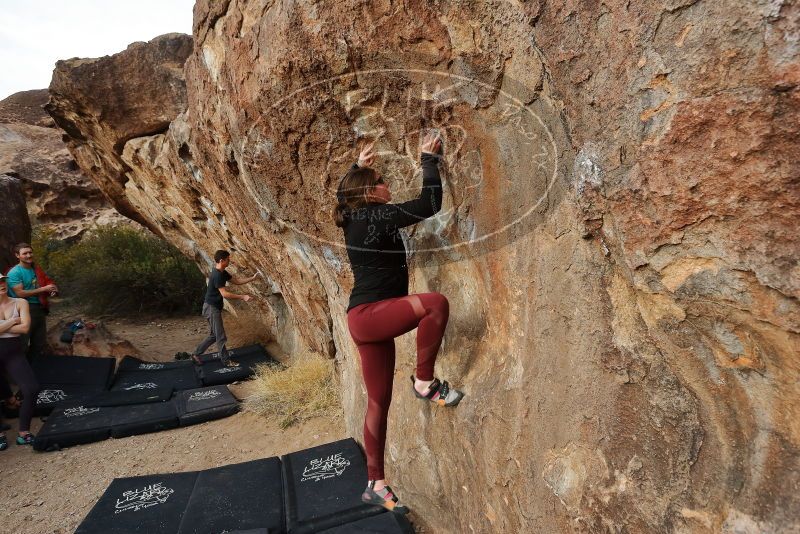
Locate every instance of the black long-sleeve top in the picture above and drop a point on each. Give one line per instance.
(374, 246)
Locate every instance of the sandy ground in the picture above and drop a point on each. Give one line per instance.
(53, 492)
(154, 338)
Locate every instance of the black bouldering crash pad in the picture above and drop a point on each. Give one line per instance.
(238, 352)
(236, 497)
(152, 504)
(385, 523)
(315, 490)
(323, 487)
(74, 370)
(255, 358)
(214, 373)
(127, 413)
(125, 398)
(74, 426)
(51, 396)
(205, 404)
(129, 363)
(176, 379)
(143, 418)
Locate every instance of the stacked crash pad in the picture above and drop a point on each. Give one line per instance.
(184, 374)
(315, 490)
(64, 379)
(109, 415)
(213, 372)
(175, 379)
(68, 379)
(90, 403)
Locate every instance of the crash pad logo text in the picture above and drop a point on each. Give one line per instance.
(47, 396)
(144, 385)
(151, 366)
(139, 499)
(204, 395)
(324, 468)
(80, 411)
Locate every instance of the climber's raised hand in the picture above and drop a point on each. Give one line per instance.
(367, 156)
(432, 143)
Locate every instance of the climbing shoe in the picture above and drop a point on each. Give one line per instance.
(439, 392)
(3, 442)
(27, 439)
(383, 497)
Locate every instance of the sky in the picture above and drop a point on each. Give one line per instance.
(34, 34)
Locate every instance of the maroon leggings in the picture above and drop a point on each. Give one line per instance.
(373, 326)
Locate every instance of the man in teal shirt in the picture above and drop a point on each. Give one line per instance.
(25, 281)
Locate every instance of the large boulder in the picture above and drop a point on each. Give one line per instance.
(133, 94)
(13, 220)
(618, 243)
(59, 197)
(97, 341)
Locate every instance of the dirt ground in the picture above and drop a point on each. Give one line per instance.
(52, 492)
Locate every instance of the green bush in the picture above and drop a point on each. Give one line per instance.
(44, 244)
(121, 270)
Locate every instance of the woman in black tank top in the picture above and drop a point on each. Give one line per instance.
(15, 320)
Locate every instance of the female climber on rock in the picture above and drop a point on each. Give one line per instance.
(380, 307)
(15, 320)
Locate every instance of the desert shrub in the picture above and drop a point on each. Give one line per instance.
(295, 393)
(122, 270)
(44, 244)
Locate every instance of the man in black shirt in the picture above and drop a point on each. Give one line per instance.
(212, 306)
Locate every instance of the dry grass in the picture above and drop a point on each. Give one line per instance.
(304, 390)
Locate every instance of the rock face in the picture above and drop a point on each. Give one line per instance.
(58, 195)
(13, 220)
(618, 243)
(132, 95)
